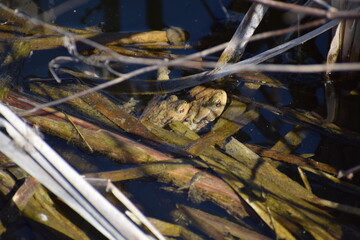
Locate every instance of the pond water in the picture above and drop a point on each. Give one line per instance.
(209, 23)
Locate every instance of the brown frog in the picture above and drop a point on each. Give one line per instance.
(163, 110)
(206, 105)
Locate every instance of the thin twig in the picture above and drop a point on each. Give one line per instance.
(349, 174)
(79, 132)
(329, 14)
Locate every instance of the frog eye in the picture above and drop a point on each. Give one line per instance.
(218, 103)
(182, 108)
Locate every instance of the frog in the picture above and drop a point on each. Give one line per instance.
(204, 106)
(207, 105)
(163, 110)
